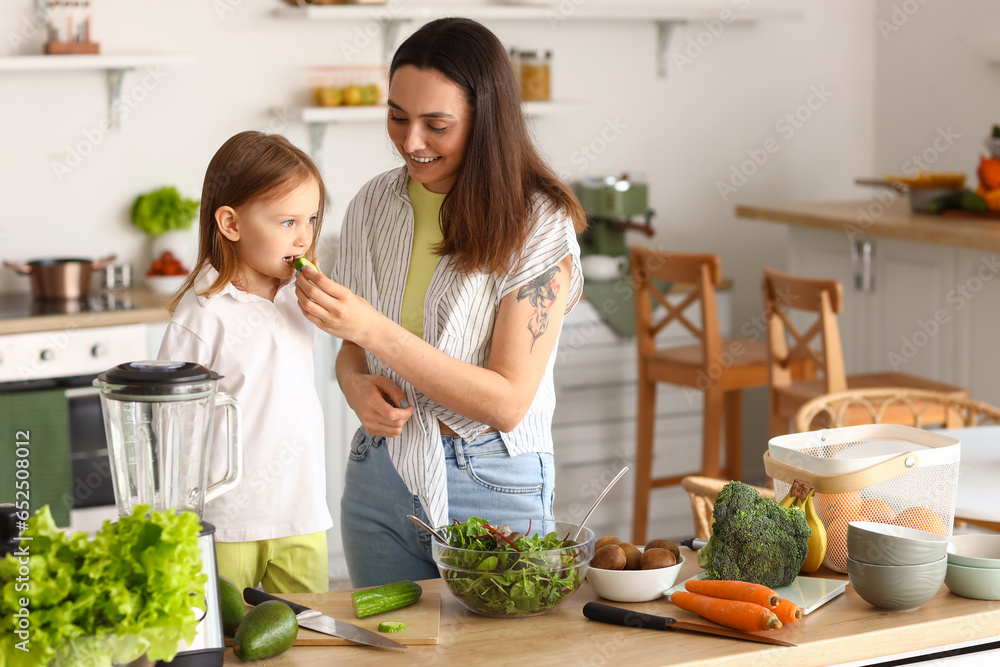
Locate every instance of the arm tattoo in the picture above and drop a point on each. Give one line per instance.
(541, 293)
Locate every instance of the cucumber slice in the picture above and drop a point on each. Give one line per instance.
(391, 626)
(301, 262)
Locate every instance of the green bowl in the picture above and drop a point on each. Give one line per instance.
(897, 587)
(976, 550)
(979, 583)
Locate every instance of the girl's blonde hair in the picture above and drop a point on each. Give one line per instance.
(251, 166)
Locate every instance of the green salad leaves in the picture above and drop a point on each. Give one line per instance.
(131, 590)
(499, 572)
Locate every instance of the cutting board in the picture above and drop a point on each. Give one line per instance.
(423, 619)
(808, 593)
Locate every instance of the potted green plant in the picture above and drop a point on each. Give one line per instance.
(169, 219)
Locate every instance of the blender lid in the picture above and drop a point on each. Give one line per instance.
(157, 373)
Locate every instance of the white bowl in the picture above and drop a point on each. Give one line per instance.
(165, 285)
(976, 550)
(633, 585)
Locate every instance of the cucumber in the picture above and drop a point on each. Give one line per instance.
(269, 629)
(300, 263)
(233, 607)
(380, 599)
(391, 626)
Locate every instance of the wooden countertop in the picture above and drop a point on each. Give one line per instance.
(148, 307)
(845, 629)
(870, 217)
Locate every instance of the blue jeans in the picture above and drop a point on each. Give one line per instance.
(381, 545)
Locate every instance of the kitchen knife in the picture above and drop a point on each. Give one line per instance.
(605, 613)
(320, 622)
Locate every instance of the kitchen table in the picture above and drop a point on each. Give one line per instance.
(844, 630)
(978, 475)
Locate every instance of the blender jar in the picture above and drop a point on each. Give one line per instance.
(159, 418)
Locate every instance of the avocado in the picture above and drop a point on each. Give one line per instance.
(233, 607)
(269, 629)
(973, 202)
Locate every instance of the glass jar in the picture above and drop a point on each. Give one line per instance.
(535, 76)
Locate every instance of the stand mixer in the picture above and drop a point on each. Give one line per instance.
(159, 418)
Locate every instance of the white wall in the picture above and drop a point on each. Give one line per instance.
(934, 75)
(686, 133)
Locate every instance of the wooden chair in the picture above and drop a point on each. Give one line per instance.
(703, 491)
(719, 368)
(894, 405)
(817, 347)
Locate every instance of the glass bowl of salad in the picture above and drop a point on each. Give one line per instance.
(510, 568)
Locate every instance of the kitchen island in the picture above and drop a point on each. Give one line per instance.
(919, 290)
(843, 630)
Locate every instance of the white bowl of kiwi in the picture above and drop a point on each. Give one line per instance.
(623, 572)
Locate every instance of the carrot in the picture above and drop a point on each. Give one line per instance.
(787, 611)
(730, 613)
(734, 590)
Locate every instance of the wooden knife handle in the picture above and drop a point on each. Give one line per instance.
(255, 597)
(606, 613)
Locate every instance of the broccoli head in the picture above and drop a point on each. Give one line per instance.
(754, 539)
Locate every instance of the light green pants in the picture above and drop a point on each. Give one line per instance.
(296, 564)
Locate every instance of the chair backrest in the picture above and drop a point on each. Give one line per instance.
(703, 491)
(920, 408)
(816, 348)
(702, 271)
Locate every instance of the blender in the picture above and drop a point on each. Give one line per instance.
(159, 417)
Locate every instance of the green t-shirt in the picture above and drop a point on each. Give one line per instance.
(423, 261)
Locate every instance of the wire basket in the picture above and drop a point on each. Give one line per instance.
(347, 85)
(885, 473)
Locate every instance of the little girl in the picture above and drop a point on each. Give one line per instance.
(261, 208)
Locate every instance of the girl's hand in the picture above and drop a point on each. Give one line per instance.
(334, 308)
(374, 399)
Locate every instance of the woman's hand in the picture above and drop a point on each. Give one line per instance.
(375, 399)
(334, 308)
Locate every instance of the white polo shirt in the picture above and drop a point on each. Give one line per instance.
(265, 352)
(459, 311)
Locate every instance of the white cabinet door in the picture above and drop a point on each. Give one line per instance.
(974, 301)
(909, 325)
(897, 314)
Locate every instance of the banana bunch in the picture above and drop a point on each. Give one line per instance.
(801, 496)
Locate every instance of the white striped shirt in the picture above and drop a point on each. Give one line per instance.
(459, 313)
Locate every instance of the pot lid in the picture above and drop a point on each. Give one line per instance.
(145, 373)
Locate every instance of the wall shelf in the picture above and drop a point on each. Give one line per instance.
(665, 16)
(115, 66)
(320, 118)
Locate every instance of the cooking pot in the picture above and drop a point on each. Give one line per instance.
(62, 278)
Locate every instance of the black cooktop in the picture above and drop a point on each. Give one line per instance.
(15, 306)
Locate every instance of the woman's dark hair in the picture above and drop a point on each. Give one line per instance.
(484, 217)
(251, 166)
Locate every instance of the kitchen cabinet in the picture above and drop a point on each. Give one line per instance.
(894, 294)
(927, 303)
(593, 426)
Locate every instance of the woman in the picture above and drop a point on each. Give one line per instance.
(451, 283)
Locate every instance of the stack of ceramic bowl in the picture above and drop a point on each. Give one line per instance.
(974, 566)
(892, 567)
